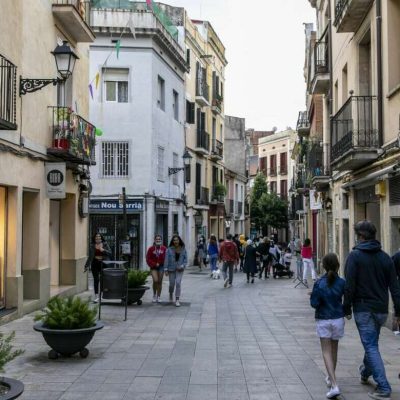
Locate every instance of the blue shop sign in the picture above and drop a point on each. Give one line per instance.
(115, 206)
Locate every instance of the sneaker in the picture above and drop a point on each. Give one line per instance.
(158, 299)
(154, 299)
(229, 285)
(334, 392)
(177, 304)
(363, 379)
(226, 282)
(96, 299)
(328, 381)
(377, 394)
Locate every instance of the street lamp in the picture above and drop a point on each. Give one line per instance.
(65, 62)
(186, 162)
(198, 218)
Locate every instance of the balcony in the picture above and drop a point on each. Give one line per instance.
(204, 197)
(354, 134)
(202, 93)
(203, 143)
(303, 124)
(349, 14)
(239, 208)
(217, 104)
(320, 175)
(282, 170)
(8, 94)
(217, 151)
(320, 66)
(73, 137)
(74, 18)
(272, 171)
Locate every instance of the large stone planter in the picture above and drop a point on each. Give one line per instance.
(135, 294)
(67, 342)
(15, 388)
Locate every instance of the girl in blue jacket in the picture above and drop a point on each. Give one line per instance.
(327, 299)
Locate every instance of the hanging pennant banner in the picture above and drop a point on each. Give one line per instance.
(315, 200)
(149, 4)
(117, 47)
(91, 90)
(97, 79)
(55, 175)
(132, 27)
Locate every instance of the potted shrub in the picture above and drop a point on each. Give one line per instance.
(219, 192)
(9, 388)
(68, 325)
(136, 285)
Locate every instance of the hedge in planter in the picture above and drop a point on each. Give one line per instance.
(136, 285)
(68, 325)
(9, 388)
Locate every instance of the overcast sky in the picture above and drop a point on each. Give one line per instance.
(264, 42)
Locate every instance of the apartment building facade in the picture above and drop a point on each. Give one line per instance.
(353, 64)
(205, 126)
(276, 164)
(235, 175)
(46, 150)
(140, 102)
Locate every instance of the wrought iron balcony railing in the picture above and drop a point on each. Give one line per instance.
(303, 124)
(203, 140)
(203, 196)
(203, 89)
(239, 208)
(355, 126)
(73, 137)
(217, 148)
(8, 94)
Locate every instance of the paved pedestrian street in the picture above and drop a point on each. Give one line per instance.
(248, 342)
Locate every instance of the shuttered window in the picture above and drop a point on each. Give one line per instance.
(115, 159)
(394, 190)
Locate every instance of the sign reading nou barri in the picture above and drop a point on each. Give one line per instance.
(55, 180)
(114, 205)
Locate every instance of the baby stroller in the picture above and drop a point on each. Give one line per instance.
(280, 269)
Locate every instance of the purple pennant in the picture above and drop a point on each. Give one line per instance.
(91, 90)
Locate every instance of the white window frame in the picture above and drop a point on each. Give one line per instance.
(118, 151)
(115, 75)
(160, 164)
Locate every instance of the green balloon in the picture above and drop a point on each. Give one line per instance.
(99, 132)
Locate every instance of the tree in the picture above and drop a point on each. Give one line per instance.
(267, 209)
(274, 210)
(260, 188)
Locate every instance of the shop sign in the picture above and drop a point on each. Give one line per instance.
(315, 200)
(115, 206)
(55, 175)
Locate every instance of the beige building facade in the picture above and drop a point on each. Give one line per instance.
(353, 67)
(204, 132)
(43, 241)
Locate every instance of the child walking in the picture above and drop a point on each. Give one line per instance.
(326, 298)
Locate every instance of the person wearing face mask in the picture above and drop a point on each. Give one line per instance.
(99, 251)
(175, 264)
(155, 258)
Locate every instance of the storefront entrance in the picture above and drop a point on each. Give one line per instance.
(3, 227)
(112, 229)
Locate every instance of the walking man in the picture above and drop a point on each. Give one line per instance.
(370, 274)
(229, 255)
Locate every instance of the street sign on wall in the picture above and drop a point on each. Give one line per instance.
(55, 175)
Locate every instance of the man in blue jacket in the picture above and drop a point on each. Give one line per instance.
(370, 273)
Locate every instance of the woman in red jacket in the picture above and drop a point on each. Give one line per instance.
(155, 260)
(308, 263)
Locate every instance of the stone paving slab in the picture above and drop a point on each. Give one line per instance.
(248, 342)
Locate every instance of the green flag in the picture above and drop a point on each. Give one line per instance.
(117, 47)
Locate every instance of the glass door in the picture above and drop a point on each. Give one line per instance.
(3, 227)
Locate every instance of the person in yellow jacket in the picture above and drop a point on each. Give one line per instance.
(243, 244)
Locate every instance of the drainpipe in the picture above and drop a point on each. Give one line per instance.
(330, 97)
(379, 69)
